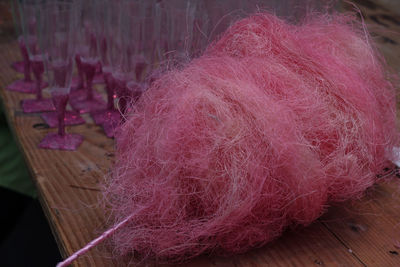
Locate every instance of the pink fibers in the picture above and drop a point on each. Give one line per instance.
(264, 131)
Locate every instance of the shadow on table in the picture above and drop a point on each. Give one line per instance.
(25, 236)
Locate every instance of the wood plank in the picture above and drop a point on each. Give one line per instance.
(370, 228)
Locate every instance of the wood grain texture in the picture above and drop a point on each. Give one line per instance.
(360, 233)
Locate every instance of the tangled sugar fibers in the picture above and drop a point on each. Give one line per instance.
(264, 131)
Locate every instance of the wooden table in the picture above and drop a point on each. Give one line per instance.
(364, 232)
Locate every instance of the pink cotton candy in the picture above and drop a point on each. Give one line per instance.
(271, 125)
